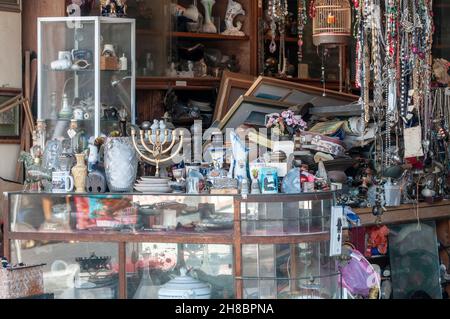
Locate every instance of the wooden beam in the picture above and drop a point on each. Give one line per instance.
(406, 213)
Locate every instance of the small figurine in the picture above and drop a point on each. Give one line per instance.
(440, 71)
(113, 8)
(233, 64)
(244, 187)
(201, 68)
(172, 71)
(255, 184)
(377, 243)
(233, 10)
(155, 125)
(162, 125)
(190, 72)
(93, 155)
(96, 182)
(168, 120)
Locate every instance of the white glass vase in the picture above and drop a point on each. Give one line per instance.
(209, 26)
(120, 164)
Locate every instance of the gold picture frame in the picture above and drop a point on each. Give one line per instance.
(10, 116)
(232, 86)
(10, 5)
(292, 93)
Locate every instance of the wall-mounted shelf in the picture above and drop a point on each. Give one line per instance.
(164, 83)
(209, 36)
(194, 35)
(287, 39)
(406, 213)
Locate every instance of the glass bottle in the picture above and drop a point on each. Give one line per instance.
(41, 133)
(123, 123)
(146, 288)
(66, 110)
(67, 158)
(149, 64)
(53, 106)
(78, 138)
(36, 149)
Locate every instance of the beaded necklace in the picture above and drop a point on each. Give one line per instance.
(376, 55)
(391, 73)
(302, 20)
(278, 12)
(358, 34)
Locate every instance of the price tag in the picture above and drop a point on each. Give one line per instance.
(71, 133)
(180, 83)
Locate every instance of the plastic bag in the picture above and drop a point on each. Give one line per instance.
(358, 276)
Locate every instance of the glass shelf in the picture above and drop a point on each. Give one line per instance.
(147, 240)
(80, 39)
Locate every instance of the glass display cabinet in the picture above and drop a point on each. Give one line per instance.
(143, 246)
(86, 72)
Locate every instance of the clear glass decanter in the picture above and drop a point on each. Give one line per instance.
(146, 288)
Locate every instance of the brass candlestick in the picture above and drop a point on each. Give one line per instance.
(155, 146)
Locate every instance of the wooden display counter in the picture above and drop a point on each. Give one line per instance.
(406, 213)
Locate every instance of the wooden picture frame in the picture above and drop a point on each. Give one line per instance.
(250, 110)
(10, 119)
(232, 86)
(10, 5)
(292, 93)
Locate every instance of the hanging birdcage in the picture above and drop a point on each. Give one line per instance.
(332, 23)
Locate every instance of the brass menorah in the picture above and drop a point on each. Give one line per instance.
(156, 146)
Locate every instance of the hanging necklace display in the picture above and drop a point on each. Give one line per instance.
(391, 71)
(273, 25)
(323, 77)
(375, 26)
(278, 12)
(302, 20)
(407, 28)
(282, 29)
(365, 56)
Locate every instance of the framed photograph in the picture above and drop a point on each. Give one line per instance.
(292, 93)
(250, 111)
(10, 5)
(9, 117)
(232, 87)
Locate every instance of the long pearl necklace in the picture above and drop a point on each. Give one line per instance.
(391, 72)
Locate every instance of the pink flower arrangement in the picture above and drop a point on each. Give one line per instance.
(286, 123)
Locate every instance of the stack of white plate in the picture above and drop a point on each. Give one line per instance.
(153, 185)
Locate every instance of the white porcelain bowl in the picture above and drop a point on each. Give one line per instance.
(185, 287)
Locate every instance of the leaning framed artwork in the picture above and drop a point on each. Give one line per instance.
(292, 93)
(9, 117)
(250, 111)
(10, 5)
(232, 86)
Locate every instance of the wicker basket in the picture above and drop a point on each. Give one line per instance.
(21, 282)
(109, 63)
